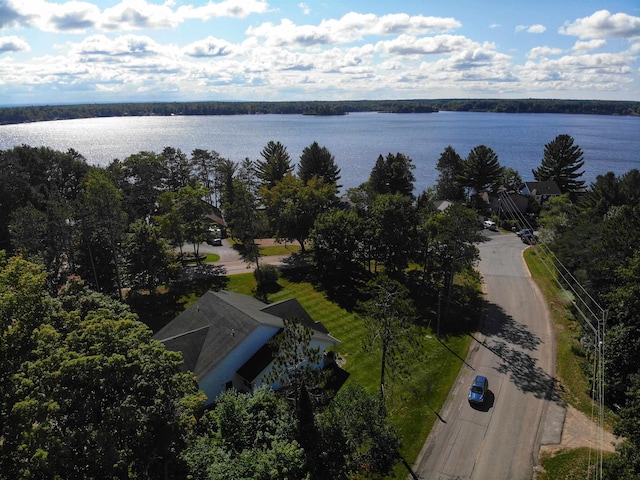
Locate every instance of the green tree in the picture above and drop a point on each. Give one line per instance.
(293, 206)
(249, 436)
(47, 236)
(338, 240)
(388, 317)
(102, 223)
(317, 161)
(610, 191)
(240, 208)
(85, 391)
(275, 164)
(560, 163)
(148, 259)
(206, 166)
(142, 178)
(447, 246)
(557, 217)
(393, 174)
(392, 220)
(192, 209)
(451, 168)
(295, 361)
(356, 440)
(482, 172)
(626, 465)
(170, 220)
(178, 169)
(511, 180)
(50, 182)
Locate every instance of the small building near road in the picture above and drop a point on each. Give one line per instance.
(224, 338)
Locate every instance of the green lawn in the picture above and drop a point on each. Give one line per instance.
(413, 403)
(570, 359)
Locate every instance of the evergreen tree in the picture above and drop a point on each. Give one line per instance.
(561, 162)
(388, 317)
(276, 164)
(317, 161)
(451, 168)
(393, 174)
(482, 172)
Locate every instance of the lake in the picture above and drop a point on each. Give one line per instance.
(356, 140)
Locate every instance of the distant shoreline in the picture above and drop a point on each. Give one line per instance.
(29, 114)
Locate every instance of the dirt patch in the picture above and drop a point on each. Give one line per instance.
(580, 431)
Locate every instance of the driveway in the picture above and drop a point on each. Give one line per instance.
(233, 263)
(515, 350)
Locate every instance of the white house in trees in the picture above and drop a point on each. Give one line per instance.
(224, 339)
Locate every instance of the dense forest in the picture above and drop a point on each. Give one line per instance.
(22, 114)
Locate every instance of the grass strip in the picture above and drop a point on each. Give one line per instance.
(571, 361)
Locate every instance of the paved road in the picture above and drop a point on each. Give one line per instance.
(514, 350)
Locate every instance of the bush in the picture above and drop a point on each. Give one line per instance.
(267, 280)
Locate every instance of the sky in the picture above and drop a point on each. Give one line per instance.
(99, 51)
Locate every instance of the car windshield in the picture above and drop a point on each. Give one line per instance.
(476, 389)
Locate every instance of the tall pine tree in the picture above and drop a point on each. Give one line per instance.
(561, 162)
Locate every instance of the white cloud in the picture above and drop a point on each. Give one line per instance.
(586, 46)
(539, 52)
(603, 24)
(305, 8)
(13, 44)
(124, 46)
(438, 45)
(537, 28)
(596, 72)
(71, 16)
(226, 8)
(138, 14)
(210, 47)
(77, 16)
(350, 28)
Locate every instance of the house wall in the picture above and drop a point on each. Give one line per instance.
(215, 382)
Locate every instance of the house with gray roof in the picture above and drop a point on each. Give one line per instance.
(224, 339)
(541, 191)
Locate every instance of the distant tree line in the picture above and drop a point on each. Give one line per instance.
(25, 114)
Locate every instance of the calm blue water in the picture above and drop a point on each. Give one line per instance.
(356, 140)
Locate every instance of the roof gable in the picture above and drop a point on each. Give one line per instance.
(543, 188)
(224, 318)
(291, 308)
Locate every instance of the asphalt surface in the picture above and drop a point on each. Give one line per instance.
(233, 263)
(515, 350)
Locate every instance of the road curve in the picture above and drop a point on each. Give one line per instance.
(515, 350)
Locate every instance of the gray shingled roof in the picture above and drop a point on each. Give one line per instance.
(218, 322)
(543, 188)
